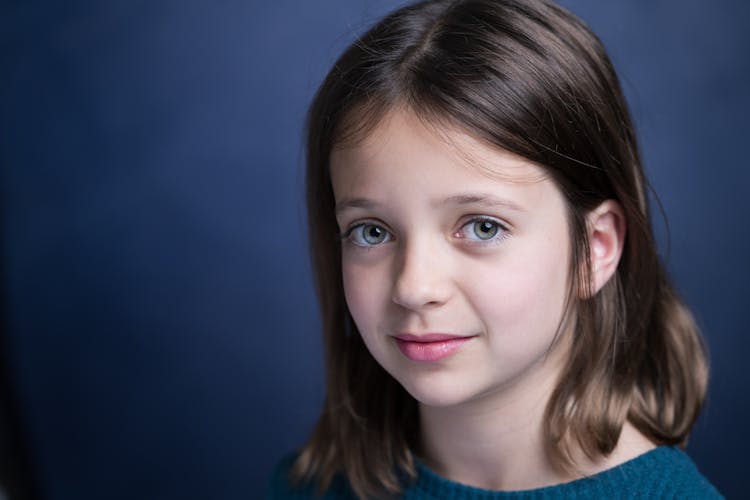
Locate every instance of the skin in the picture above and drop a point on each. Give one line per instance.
(445, 234)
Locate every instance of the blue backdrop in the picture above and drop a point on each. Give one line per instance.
(162, 328)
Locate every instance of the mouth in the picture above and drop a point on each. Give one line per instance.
(431, 347)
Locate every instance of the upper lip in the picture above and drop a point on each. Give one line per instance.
(429, 337)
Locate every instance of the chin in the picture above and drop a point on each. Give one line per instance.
(435, 389)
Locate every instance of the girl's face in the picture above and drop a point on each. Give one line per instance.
(455, 261)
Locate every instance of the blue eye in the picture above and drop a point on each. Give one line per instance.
(368, 234)
(482, 230)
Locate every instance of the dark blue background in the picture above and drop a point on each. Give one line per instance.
(161, 322)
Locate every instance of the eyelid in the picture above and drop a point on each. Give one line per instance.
(502, 233)
(359, 222)
(348, 233)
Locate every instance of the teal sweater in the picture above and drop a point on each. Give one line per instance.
(664, 472)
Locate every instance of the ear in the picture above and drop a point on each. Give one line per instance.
(606, 231)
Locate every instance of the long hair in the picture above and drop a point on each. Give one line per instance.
(530, 78)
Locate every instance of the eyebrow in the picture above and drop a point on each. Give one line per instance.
(348, 203)
(459, 199)
(482, 199)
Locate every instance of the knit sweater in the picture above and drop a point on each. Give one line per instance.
(664, 472)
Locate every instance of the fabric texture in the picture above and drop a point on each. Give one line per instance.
(664, 472)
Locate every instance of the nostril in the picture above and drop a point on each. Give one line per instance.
(418, 295)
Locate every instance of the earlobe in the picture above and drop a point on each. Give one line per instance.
(606, 228)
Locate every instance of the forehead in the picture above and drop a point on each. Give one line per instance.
(406, 146)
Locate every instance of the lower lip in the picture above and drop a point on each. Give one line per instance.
(428, 352)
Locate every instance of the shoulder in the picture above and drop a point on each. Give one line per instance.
(281, 486)
(666, 472)
(687, 477)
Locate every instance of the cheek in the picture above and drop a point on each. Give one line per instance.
(525, 295)
(365, 291)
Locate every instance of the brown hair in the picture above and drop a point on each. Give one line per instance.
(531, 78)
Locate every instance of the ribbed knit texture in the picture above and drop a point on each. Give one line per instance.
(664, 472)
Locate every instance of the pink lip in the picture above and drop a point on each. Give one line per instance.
(430, 347)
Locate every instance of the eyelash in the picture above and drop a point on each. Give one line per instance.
(500, 234)
(355, 234)
(351, 234)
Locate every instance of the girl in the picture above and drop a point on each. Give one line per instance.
(497, 322)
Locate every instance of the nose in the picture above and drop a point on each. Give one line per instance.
(421, 277)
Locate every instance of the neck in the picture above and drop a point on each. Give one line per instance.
(496, 441)
(493, 442)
